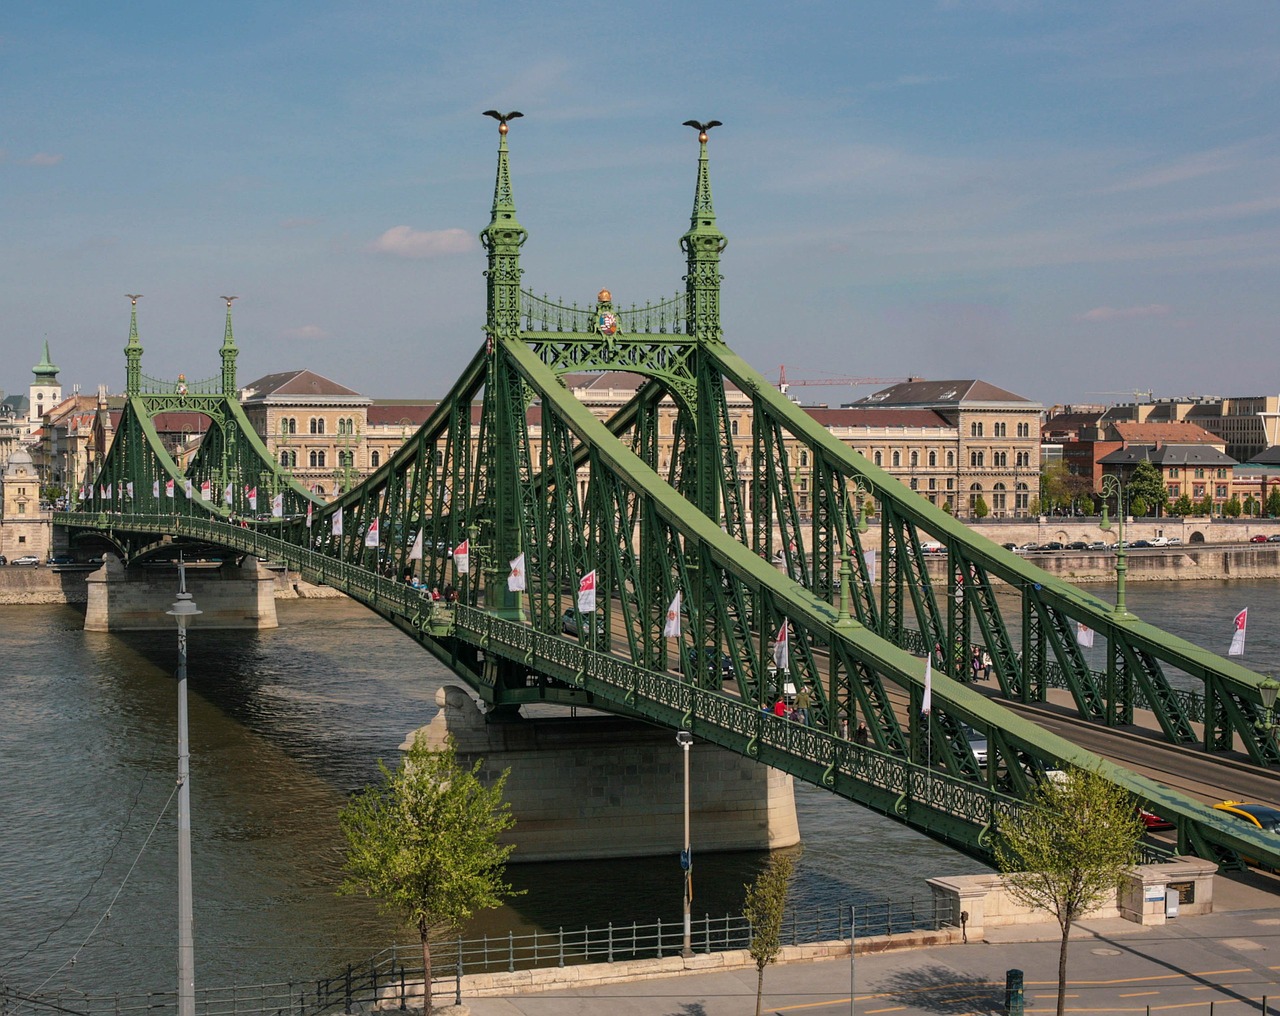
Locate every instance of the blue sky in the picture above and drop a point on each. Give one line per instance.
(1064, 199)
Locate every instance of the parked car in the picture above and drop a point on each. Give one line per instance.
(715, 661)
(1151, 820)
(1274, 538)
(3, 560)
(977, 744)
(1175, 541)
(1026, 547)
(1052, 545)
(1077, 545)
(62, 559)
(27, 560)
(1099, 545)
(1140, 543)
(574, 622)
(1260, 539)
(1160, 541)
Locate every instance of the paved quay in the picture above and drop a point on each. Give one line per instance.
(1230, 958)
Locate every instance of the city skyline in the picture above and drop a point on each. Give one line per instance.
(1077, 204)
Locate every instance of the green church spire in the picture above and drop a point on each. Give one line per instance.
(45, 371)
(133, 351)
(502, 238)
(702, 245)
(229, 354)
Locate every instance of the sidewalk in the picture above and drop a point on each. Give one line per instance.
(1230, 957)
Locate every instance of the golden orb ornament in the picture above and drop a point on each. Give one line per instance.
(502, 128)
(604, 296)
(702, 136)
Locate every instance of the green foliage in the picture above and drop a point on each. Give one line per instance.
(1138, 506)
(425, 842)
(1087, 506)
(766, 900)
(1034, 507)
(1273, 502)
(980, 509)
(1068, 850)
(1250, 507)
(1232, 508)
(1182, 506)
(1147, 484)
(1060, 487)
(1205, 507)
(946, 507)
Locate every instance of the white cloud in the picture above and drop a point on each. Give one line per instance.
(1124, 313)
(44, 159)
(306, 332)
(406, 242)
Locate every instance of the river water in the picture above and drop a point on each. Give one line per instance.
(284, 725)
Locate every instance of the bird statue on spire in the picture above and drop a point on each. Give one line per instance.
(502, 118)
(134, 298)
(702, 128)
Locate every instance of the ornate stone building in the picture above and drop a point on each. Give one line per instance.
(24, 529)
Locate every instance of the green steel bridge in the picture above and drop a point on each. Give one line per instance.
(540, 476)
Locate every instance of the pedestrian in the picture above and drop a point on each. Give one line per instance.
(435, 592)
(780, 707)
(844, 727)
(986, 665)
(976, 662)
(802, 705)
(861, 734)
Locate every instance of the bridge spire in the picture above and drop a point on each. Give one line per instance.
(133, 351)
(229, 353)
(702, 245)
(502, 238)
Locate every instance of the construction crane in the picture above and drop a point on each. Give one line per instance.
(1133, 391)
(832, 382)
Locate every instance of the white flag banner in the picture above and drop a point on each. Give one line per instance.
(415, 551)
(108, 492)
(277, 506)
(1237, 636)
(587, 592)
(926, 703)
(309, 507)
(371, 534)
(189, 488)
(1084, 635)
(128, 490)
(462, 558)
(671, 630)
(205, 489)
(869, 556)
(252, 494)
(515, 577)
(782, 647)
(155, 488)
(228, 495)
(337, 523)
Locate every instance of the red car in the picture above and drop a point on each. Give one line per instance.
(1258, 539)
(1153, 821)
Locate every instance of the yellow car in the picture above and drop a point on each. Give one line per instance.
(1261, 815)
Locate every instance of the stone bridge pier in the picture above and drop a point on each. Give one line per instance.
(598, 786)
(138, 598)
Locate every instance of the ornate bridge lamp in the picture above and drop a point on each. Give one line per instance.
(1267, 692)
(183, 611)
(685, 740)
(862, 495)
(1112, 487)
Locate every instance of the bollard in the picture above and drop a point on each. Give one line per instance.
(1013, 1001)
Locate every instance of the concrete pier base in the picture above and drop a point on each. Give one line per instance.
(600, 786)
(137, 599)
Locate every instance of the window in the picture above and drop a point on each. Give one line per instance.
(933, 483)
(897, 459)
(975, 460)
(342, 427)
(1175, 490)
(933, 460)
(877, 459)
(951, 460)
(317, 425)
(733, 426)
(915, 459)
(998, 497)
(317, 460)
(1199, 474)
(346, 459)
(804, 458)
(288, 458)
(913, 483)
(804, 483)
(1000, 429)
(951, 484)
(375, 459)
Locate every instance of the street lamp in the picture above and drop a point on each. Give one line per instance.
(685, 740)
(1267, 691)
(183, 611)
(1112, 487)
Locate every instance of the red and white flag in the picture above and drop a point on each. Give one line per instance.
(128, 490)
(108, 492)
(869, 556)
(1237, 636)
(515, 577)
(155, 488)
(926, 703)
(782, 647)
(206, 488)
(190, 490)
(371, 534)
(1084, 635)
(252, 494)
(309, 507)
(415, 550)
(228, 495)
(671, 629)
(587, 592)
(277, 506)
(337, 523)
(462, 558)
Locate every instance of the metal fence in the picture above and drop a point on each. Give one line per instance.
(393, 977)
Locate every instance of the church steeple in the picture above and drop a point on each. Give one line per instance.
(45, 391)
(502, 238)
(702, 245)
(133, 351)
(229, 354)
(46, 373)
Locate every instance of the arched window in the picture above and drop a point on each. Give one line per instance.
(733, 426)
(346, 459)
(317, 425)
(951, 460)
(933, 460)
(804, 458)
(317, 460)
(897, 459)
(284, 425)
(288, 458)
(342, 427)
(998, 497)
(375, 459)
(915, 459)
(878, 459)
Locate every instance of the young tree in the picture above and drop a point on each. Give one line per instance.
(1182, 506)
(1087, 507)
(1069, 849)
(1138, 506)
(1233, 507)
(425, 843)
(980, 509)
(1273, 502)
(766, 900)
(1146, 483)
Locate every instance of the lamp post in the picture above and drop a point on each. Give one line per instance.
(1267, 692)
(685, 740)
(183, 611)
(1112, 487)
